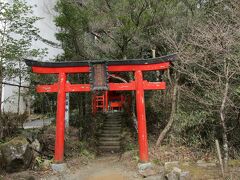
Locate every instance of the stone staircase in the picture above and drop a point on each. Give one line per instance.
(110, 136)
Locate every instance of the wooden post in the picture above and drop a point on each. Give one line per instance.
(106, 101)
(220, 157)
(141, 117)
(60, 117)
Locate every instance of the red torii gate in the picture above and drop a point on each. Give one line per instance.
(139, 85)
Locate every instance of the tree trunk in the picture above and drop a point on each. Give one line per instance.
(1, 80)
(223, 124)
(18, 103)
(1, 123)
(171, 119)
(19, 87)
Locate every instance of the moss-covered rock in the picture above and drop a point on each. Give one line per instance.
(15, 155)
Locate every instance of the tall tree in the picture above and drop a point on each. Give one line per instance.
(209, 67)
(17, 32)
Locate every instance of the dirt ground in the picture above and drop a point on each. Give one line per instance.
(123, 167)
(102, 168)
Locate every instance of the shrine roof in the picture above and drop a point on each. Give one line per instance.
(168, 58)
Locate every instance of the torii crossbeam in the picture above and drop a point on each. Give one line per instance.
(138, 66)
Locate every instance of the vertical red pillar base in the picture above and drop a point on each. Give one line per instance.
(60, 118)
(141, 116)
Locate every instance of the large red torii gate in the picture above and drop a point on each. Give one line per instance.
(139, 85)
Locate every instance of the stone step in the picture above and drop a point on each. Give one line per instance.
(113, 118)
(109, 138)
(112, 125)
(111, 128)
(109, 143)
(112, 121)
(109, 135)
(114, 114)
(109, 148)
(111, 131)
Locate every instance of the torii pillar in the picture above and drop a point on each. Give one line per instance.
(141, 117)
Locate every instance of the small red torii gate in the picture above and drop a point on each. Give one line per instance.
(139, 85)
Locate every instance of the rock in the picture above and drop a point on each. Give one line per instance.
(177, 170)
(172, 176)
(156, 174)
(157, 177)
(35, 145)
(170, 165)
(16, 155)
(146, 169)
(46, 164)
(59, 167)
(177, 174)
(185, 176)
(47, 140)
(144, 166)
(161, 170)
(147, 172)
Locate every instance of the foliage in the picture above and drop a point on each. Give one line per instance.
(208, 70)
(17, 32)
(42, 102)
(10, 123)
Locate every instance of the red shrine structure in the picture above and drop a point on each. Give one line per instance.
(108, 101)
(105, 97)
